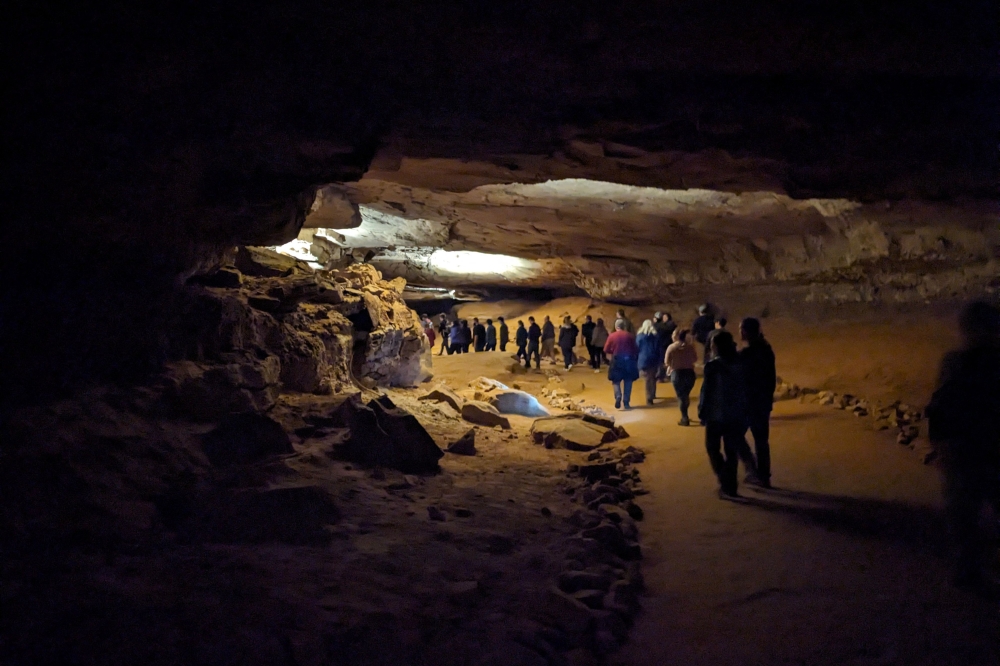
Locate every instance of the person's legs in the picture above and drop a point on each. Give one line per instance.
(683, 381)
(760, 428)
(962, 504)
(650, 376)
(627, 393)
(713, 444)
(732, 437)
(616, 387)
(444, 345)
(567, 354)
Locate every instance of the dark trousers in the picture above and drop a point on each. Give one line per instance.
(503, 345)
(521, 353)
(568, 355)
(490, 346)
(965, 492)
(760, 428)
(479, 346)
(457, 348)
(444, 345)
(725, 437)
(683, 381)
(532, 351)
(595, 356)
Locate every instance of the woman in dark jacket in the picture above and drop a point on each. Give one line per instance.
(567, 340)
(649, 357)
(455, 338)
(722, 407)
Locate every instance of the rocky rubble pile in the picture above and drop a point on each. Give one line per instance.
(906, 420)
(269, 324)
(597, 593)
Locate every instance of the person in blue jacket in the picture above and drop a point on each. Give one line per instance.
(649, 357)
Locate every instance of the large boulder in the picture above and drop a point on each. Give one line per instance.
(245, 438)
(511, 401)
(208, 391)
(485, 414)
(443, 393)
(571, 432)
(383, 435)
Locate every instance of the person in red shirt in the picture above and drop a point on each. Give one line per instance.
(624, 368)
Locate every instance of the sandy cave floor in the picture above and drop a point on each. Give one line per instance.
(844, 563)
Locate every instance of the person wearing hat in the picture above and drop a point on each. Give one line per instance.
(702, 326)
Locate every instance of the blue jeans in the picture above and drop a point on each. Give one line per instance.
(622, 394)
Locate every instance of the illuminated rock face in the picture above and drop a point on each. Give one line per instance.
(443, 223)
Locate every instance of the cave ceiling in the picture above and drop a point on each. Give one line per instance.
(620, 150)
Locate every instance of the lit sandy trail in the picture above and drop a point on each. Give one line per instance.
(842, 566)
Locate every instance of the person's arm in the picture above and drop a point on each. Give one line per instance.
(707, 388)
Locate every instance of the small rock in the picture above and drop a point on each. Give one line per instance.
(464, 445)
(547, 512)
(435, 513)
(463, 513)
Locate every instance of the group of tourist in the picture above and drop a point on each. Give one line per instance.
(457, 337)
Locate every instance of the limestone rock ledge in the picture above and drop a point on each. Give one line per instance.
(242, 339)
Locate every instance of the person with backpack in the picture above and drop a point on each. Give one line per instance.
(624, 367)
(567, 341)
(649, 357)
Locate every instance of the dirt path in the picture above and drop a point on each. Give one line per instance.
(842, 565)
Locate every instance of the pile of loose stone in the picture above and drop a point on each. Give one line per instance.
(897, 414)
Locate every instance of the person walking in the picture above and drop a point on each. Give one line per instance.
(649, 357)
(665, 327)
(567, 341)
(504, 334)
(521, 339)
(478, 335)
(624, 368)
(491, 336)
(761, 377)
(587, 332)
(702, 326)
(548, 339)
(597, 342)
(443, 330)
(620, 317)
(466, 336)
(428, 326)
(719, 326)
(964, 426)
(534, 336)
(456, 345)
(723, 407)
(681, 357)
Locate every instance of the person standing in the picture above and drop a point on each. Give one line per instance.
(964, 426)
(548, 339)
(456, 345)
(761, 376)
(534, 336)
(681, 357)
(521, 339)
(478, 335)
(597, 342)
(620, 317)
(504, 334)
(702, 326)
(719, 326)
(624, 368)
(443, 329)
(587, 331)
(665, 327)
(723, 408)
(491, 336)
(466, 336)
(567, 341)
(649, 357)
